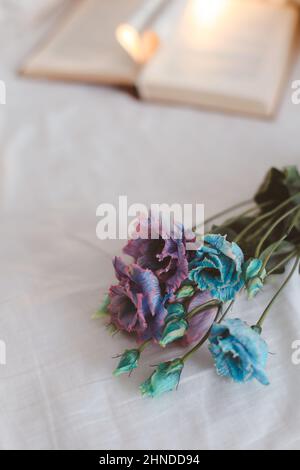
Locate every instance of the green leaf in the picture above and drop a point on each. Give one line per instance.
(273, 188)
(102, 311)
(284, 248)
(292, 181)
(297, 220)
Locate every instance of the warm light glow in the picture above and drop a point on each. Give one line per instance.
(207, 12)
(139, 46)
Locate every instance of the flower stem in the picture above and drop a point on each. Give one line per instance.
(267, 309)
(202, 308)
(144, 345)
(273, 226)
(274, 248)
(260, 229)
(226, 311)
(195, 348)
(283, 262)
(228, 210)
(264, 216)
(198, 345)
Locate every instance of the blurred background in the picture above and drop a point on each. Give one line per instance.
(70, 145)
(65, 148)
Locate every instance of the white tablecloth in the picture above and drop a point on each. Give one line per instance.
(64, 150)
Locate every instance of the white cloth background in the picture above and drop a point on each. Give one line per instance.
(64, 150)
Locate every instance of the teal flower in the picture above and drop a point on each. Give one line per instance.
(164, 379)
(174, 329)
(254, 275)
(128, 362)
(217, 267)
(239, 351)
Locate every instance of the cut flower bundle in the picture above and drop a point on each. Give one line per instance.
(171, 295)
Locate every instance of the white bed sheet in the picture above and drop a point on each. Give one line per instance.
(65, 149)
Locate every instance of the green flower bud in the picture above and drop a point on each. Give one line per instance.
(128, 362)
(185, 291)
(254, 275)
(175, 312)
(174, 330)
(164, 379)
(254, 286)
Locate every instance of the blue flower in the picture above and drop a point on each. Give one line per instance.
(217, 267)
(254, 275)
(164, 379)
(239, 351)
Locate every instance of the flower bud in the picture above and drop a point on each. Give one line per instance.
(164, 379)
(128, 362)
(174, 330)
(254, 275)
(254, 286)
(185, 291)
(175, 312)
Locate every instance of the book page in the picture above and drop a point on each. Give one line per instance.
(228, 54)
(85, 46)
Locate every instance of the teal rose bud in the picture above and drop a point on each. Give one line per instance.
(254, 275)
(174, 330)
(128, 362)
(164, 379)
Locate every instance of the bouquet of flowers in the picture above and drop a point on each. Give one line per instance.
(169, 294)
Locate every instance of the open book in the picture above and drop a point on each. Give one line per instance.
(226, 54)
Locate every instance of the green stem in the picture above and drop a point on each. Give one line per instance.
(235, 219)
(195, 348)
(275, 247)
(202, 308)
(144, 345)
(264, 216)
(226, 311)
(282, 262)
(260, 229)
(198, 345)
(228, 210)
(273, 226)
(267, 309)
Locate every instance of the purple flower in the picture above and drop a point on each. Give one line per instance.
(200, 323)
(164, 253)
(136, 304)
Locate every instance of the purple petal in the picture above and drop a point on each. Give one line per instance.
(200, 324)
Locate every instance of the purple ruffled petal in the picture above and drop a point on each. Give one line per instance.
(136, 304)
(165, 255)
